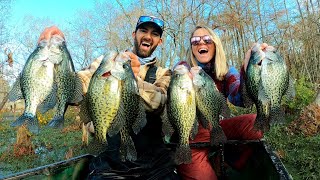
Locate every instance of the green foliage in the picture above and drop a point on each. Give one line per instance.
(304, 95)
(236, 111)
(300, 154)
(50, 145)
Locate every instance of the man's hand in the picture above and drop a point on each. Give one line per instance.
(263, 47)
(135, 63)
(49, 32)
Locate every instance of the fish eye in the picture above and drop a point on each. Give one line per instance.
(125, 66)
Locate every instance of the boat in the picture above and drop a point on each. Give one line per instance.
(263, 163)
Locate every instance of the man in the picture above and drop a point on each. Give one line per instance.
(154, 158)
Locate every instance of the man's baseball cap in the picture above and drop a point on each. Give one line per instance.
(151, 19)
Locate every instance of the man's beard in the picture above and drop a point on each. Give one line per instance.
(142, 54)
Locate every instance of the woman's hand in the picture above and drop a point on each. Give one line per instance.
(49, 32)
(256, 47)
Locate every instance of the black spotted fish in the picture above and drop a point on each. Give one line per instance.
(180, 112)
(267, 81)
(35, 84)
(47, 80)
(114, 105)
(69, 85)
(210, 104)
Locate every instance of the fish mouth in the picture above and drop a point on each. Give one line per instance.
(263, 59)
(194, 70)
(181, 69)
(106, 74)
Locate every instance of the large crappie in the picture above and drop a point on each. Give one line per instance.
(114, 104)
(35, 84)
(69, 85)
(132, 112)
(180, 112)
(210, 104)
(102, 98)
(47, 79)
(267, 81)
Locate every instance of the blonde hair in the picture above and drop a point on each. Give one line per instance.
(220, 62)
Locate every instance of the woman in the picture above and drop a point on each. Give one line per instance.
(206, 51)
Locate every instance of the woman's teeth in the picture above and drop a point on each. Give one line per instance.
(201, 51)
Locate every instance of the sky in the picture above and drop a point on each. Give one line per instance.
(57, 10)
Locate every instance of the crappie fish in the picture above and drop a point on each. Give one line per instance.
(267, 81)
(132, 112)
(103, 98)
(114, 104)
(180, 112)
(210, 104)
(43, 81)
(69, 86)
(35, 84)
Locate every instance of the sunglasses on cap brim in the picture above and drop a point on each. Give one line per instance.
(156, 20)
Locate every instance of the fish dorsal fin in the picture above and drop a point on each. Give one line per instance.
(291, 92)
(84, 113)
(15, 92)
(77, 94)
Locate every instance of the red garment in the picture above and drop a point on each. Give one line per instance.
(239, 128)
(199, 168)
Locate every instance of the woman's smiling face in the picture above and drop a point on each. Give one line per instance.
(203, 52)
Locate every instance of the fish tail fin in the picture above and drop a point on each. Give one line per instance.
(95, 146)
(30, 120)
(56, 122)
(277, 115)
(183, 154)
(33, 125)
(22, 119)
(127, 148)
(261, 123)
(217, 136)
